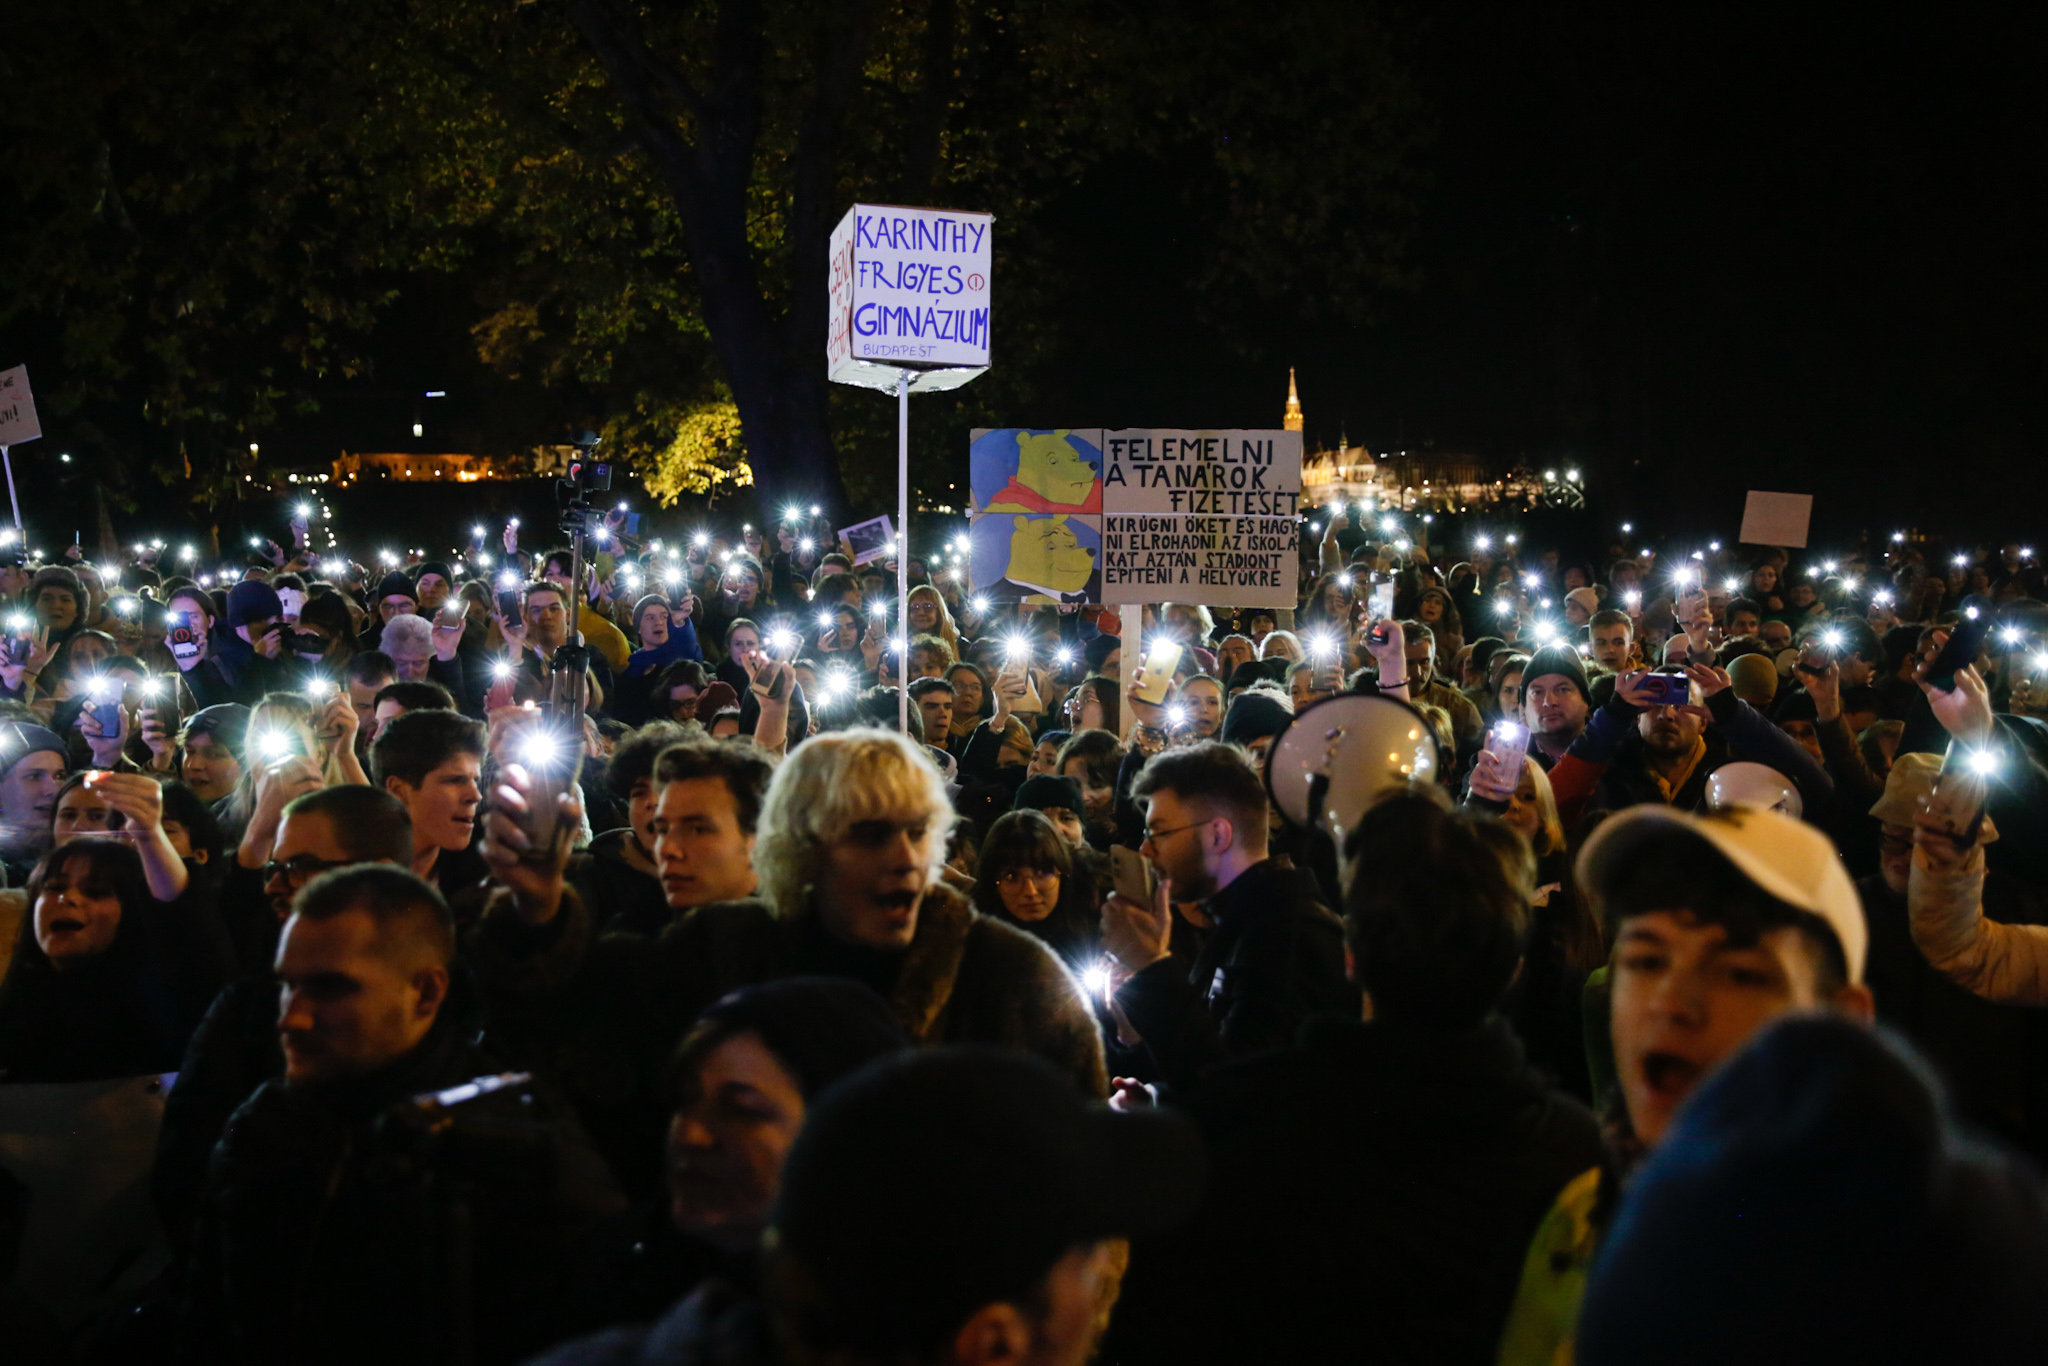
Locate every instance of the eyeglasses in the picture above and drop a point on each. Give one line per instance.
(300, 869)
(1017, 877)
(1153, 836)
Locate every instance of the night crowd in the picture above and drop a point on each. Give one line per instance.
(1693, 1008)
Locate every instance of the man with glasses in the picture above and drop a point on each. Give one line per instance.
(542, 629)
(236, 1049)
(1271, 952)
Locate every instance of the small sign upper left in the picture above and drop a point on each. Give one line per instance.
(18, 420)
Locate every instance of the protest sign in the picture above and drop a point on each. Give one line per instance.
(870, 539)
(1207, 516)
(909, 288)
(1776, 518)
(18, 421)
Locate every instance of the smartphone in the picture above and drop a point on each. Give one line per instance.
(1132, 875)
(184, 640)
(1668, 689)
(292, 601)
(508, 604)
(1382, 599)
(20, 638)
(1963, 787)
(1160, 663)
(554, 763)
(160, 695)
(1509, 741)
(1965, 642)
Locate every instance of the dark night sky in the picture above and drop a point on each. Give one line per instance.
(1693, 251)
(1696, 251)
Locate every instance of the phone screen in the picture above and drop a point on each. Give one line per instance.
(1160, 662)
(1959, 653)
(1132, 875)
(1382, 602)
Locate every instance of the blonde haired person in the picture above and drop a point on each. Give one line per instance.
(848, 846)
(927, 615)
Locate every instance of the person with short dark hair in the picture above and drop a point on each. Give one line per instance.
(394, 700)
(368, 674)
(1029, 876)
(321, 1232)
(618, 877)
(1272, 952)
(1375, 1186)
(952, 1205)
(433, 762)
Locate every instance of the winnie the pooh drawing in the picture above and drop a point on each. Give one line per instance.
(1052, 476)
(1046, 557)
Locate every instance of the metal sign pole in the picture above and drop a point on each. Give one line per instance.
(7, 458)
(903, 551)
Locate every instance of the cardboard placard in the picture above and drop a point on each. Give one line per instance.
(907, 288)
(1141, 515)
(18, 420)
(1779, 519)
(869, 539)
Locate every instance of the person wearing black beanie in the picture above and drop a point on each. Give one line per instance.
(431, 585)
(1555, 702)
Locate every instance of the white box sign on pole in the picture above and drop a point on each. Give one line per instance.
(909, 289)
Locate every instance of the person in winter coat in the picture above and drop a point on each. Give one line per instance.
(336, 1226)
(1272, 953)
(667, 636)
(1373, 1188)
(247, 646)
(848, 849)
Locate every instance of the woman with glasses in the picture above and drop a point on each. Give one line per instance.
(1027, 876)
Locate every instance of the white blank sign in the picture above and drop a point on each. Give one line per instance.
(1776, 518)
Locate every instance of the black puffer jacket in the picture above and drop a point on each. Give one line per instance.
(319, 1242)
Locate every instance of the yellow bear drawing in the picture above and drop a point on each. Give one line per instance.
(1049, 467)
(1045, 554)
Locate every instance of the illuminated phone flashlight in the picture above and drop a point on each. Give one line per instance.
(152, 688)
(273, 744)
(1687, 577)
(1982, 762)
(156, 545)
(900, 645)
(388, 556)
(879, 609)
(206, 580)
(814, 510)
(1095, 979)
(824, 621)
(1401, 544)
(600, 535)
(1882, 597)
(1714, 546)
(1852, 583)
(1645, 553)
(671, 576)
(1545, 603)
(1970, 612)
(1389, 524)
(17, 622)
(1532, 580)
(622, 505)
(99, 687)
(1731, 584)
(140, 548)
(1504, 607)
(1831, 639)
(1322, 645)
(513, 523)
(508, 579)
(255, 543)
(1063, 656)
(1016, 647)
(318, 689)
(1897, 537)
(126, 606)
(701, 539)
(1510, 731)
(1343, 580)
(2026, 552)
(1546, 632)
(476, 533)
(632, 579)
(538, 749)
(785, 641)
(807, 545)
(2011, 635)
(1176, 715)
(1512, 538)
(1828, 566)
(1482, 542)
(187, 553)
(484, 559)
(1961, 560)
(2041, 664)
(791, 513)
(501, 668)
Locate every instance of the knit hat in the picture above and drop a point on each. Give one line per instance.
(252, 600)
(1098, 650)
(1257, 671)
(715, 698)
(433, 567)
(227, 722)
(19, 739)
(1754, 677)
(1046, 789)
(1254, 716)
(1817, 1163)
(61, 576)
(820, 1028)
(395, 585)
(1558, 659)
(1588, 598)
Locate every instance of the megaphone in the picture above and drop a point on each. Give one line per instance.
(1753, 785)
(1340, 756)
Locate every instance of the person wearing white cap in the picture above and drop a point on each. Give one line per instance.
(1580, 604)
(1721, 923)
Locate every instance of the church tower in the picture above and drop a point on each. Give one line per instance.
(1292, 421)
